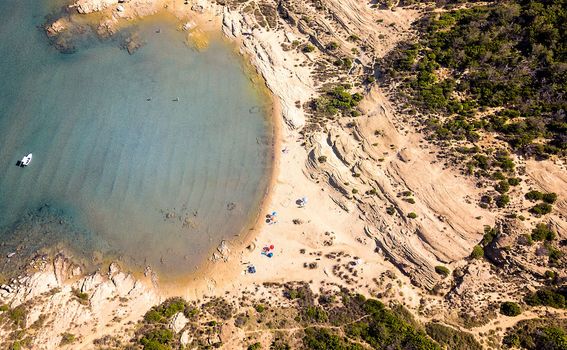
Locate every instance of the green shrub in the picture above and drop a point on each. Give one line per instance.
(452, 338)
(323, 339)
(152, 316)
(390, 210)
(502, 201)
(478, 252)
(164, 311)
(260, 308)
(315, 314)
(503, 186)
(546, 297)
(514, 181)
(171, 307)
(541, 232)
(537, 334)
(322, 159)
(510, 308)
(387, 329)
(255, 346)
(490, 233)
(308, 48)
(442, 270)
(353, 38)
(336, 100)
(534, 196)
(83, 297)
(541, 209)
(332, 46)
(554, 254)
(412, 215)
(18, 315)
(67, 338)
(498, 175)
(549, 198)
(157, 339)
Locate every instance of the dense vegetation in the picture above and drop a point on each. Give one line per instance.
(337, 100)
(385, 329)
(547, 297)
(537, 334)
(499, 68)
(330, 321)
(452, 338)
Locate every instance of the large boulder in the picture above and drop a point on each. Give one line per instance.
(178, 322)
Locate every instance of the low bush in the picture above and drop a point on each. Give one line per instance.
(451, 338)
(332, 46)
(541, 209)
(66, 339)
(442, 270)
(157, 339)
(255, 346)
(534, 196)
(542, 232)
(510, 308)
(502, 201)
(549, 198)
(478, 252)
(308, 48)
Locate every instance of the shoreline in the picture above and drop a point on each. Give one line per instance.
(238, 243)
(210, 26)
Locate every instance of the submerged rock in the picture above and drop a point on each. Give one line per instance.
(56, 27)
(64, 44)
(107, 27)
(133, 44)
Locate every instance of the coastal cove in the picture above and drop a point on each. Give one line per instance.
(151, 159)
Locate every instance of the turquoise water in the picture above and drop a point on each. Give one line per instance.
(153, 158)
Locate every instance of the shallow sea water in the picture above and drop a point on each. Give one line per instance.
(158, 182)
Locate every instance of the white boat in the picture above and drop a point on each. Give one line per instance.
(26, 160)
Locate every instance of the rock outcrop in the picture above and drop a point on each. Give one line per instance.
(89, 6)
(76, 305)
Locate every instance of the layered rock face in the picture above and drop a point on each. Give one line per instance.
(57, 296)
